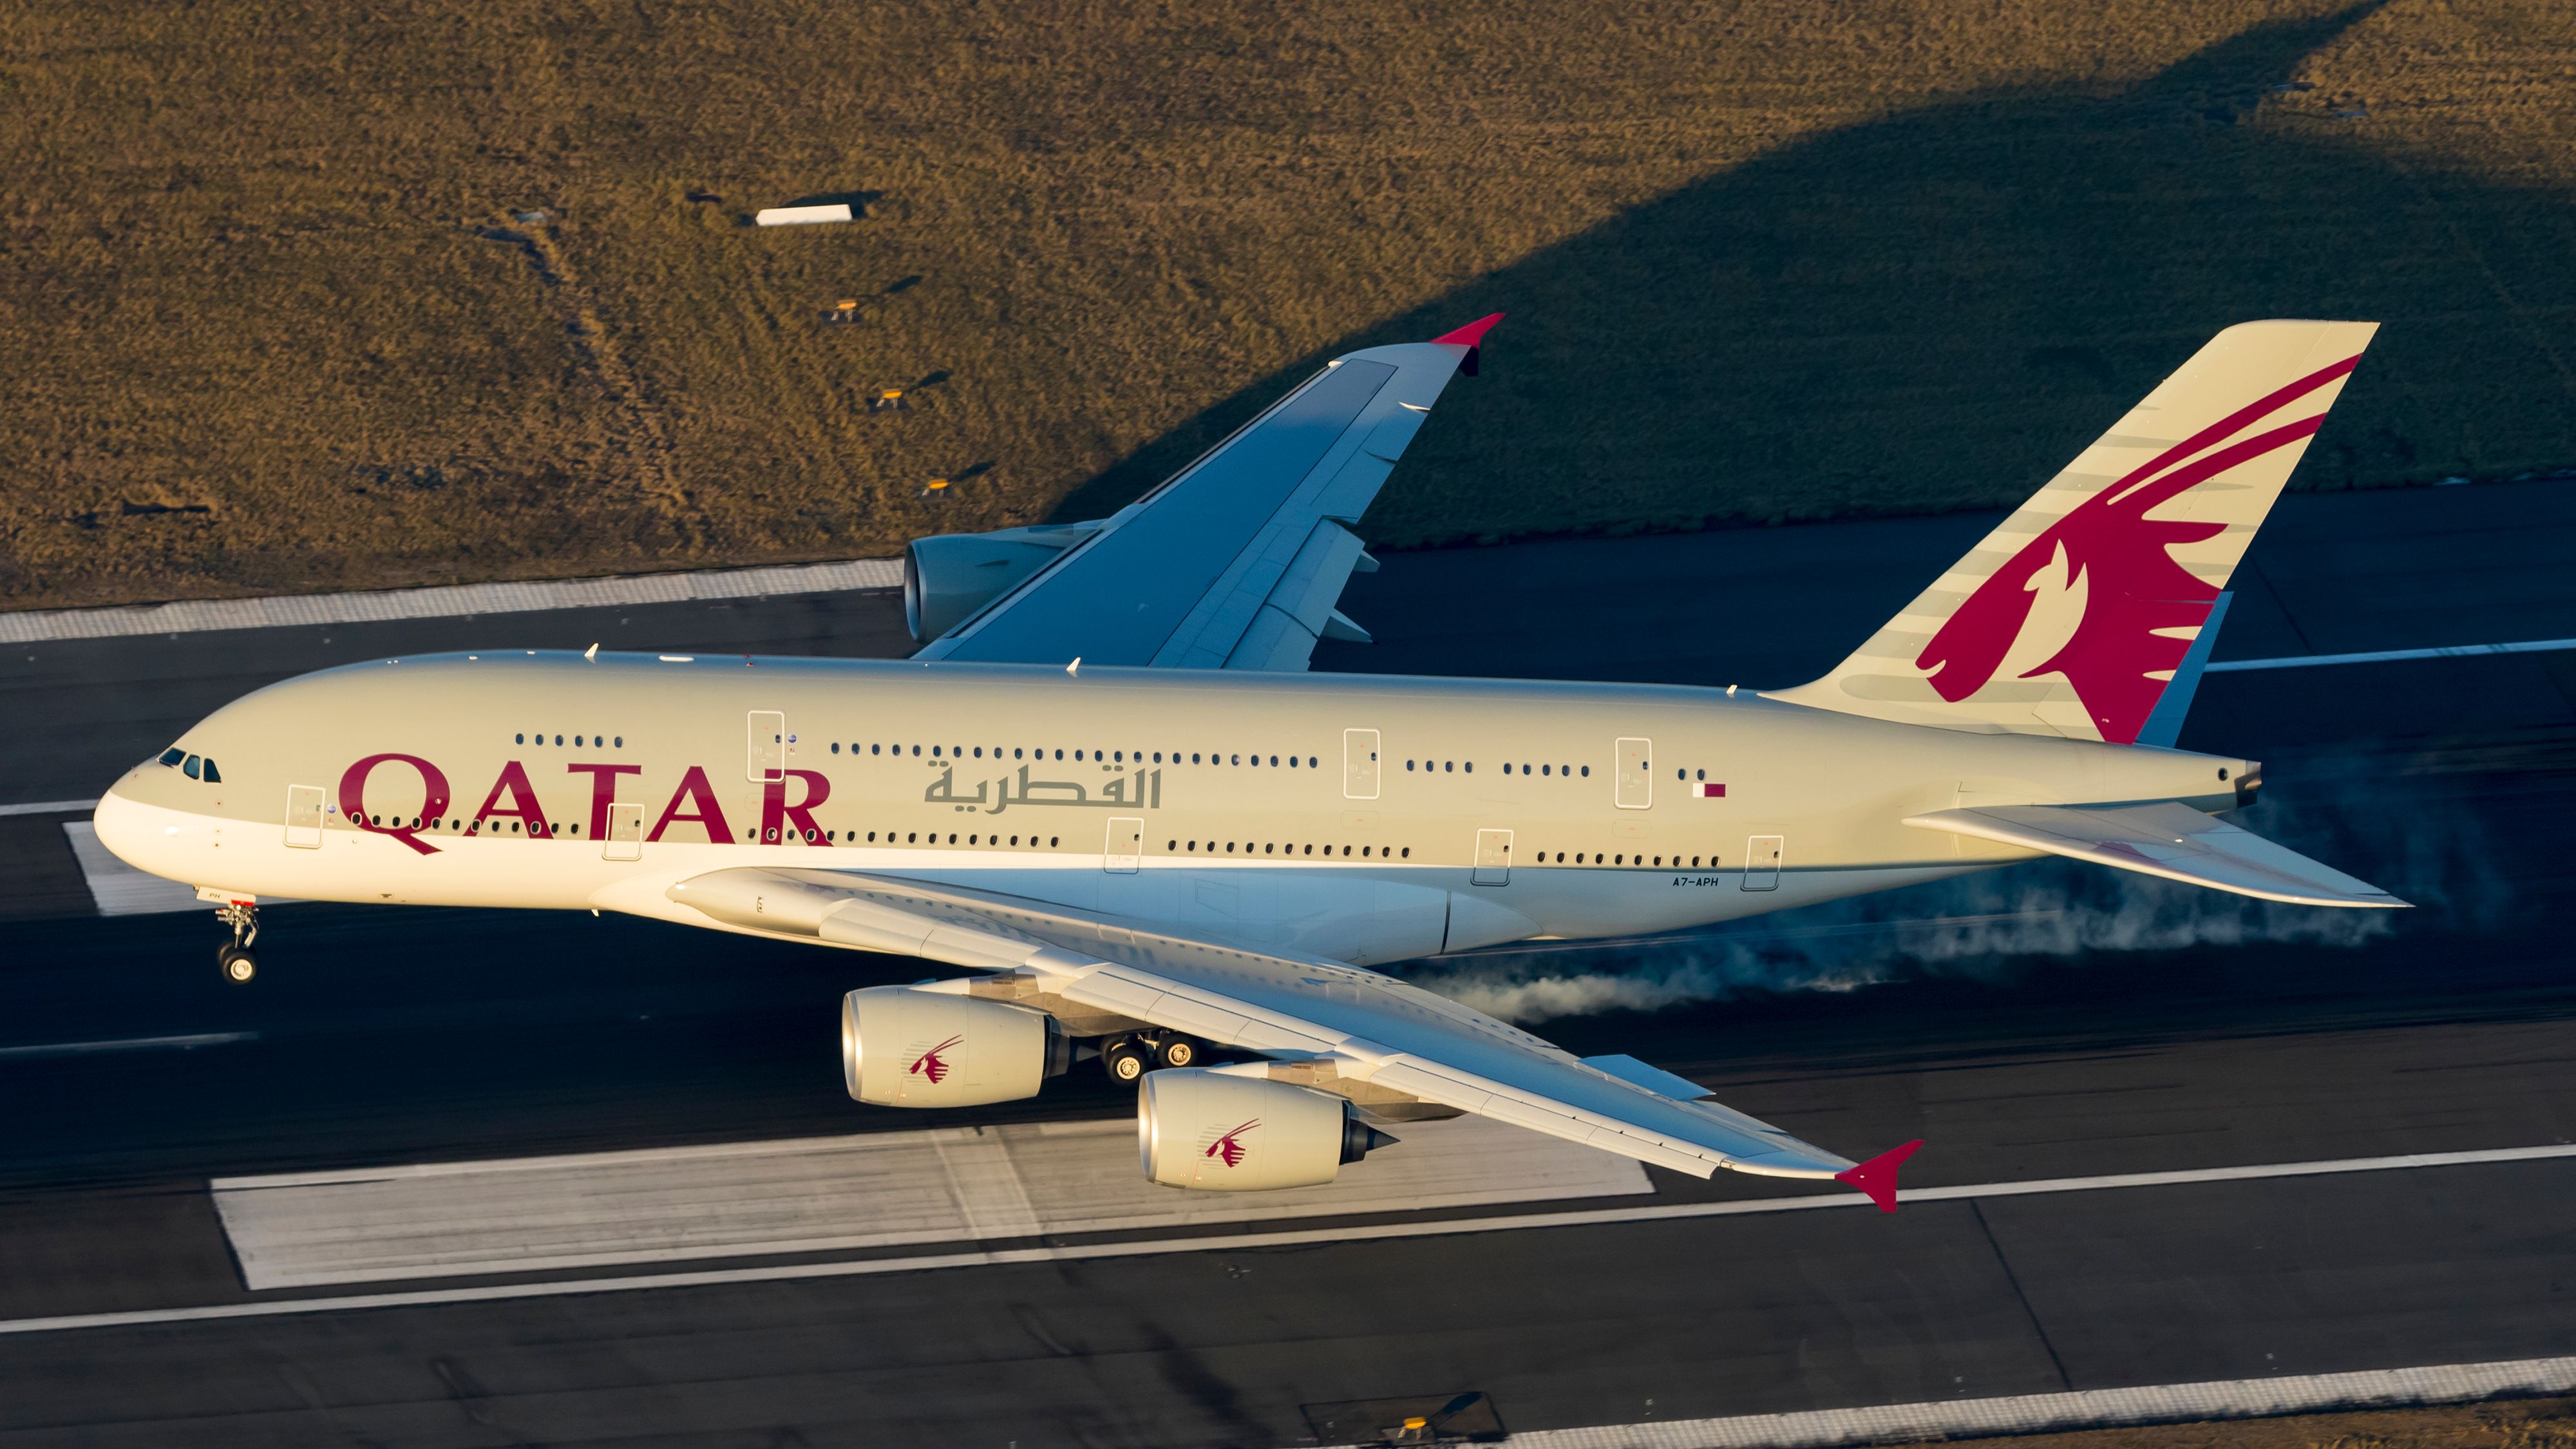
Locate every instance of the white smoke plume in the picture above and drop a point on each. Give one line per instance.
(2354, 813)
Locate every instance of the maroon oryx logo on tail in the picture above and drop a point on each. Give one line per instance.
(1229, 1148)
(2140, 605)
(931, 1064)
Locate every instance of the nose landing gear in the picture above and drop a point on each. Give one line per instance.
(235, 960)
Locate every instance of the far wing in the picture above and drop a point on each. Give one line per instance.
(1328, 1022)
(1237, 561)
(2170, 840)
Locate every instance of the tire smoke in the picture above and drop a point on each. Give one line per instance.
(2359, 813)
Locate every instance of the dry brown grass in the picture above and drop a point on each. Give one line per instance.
(266, 325)
(2520, 1424)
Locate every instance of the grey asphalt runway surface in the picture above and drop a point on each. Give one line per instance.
(2095, 1028)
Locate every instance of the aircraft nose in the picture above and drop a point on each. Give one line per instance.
(136, 833)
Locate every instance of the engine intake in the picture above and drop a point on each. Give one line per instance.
(946, 578)
(904, 1047)
(1218, 1132)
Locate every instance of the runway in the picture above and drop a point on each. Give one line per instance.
(2172, 1038)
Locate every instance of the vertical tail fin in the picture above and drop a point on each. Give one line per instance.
(2074, 615)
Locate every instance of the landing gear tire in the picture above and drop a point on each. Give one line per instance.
(235, 960)
(1125, 1062)
(1176, 1051)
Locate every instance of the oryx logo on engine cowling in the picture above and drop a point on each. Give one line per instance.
(931, 1064)
(1229, 1148)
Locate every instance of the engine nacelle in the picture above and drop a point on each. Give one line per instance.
(948, 577)
(902, 1047)
(1218, 1132)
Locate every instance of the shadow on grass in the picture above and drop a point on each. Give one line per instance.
(1936, 310)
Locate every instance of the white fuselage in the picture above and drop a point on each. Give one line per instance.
(1365, 818)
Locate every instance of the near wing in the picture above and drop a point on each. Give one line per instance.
(1237, 560)
(1334, 1021)
(2171, 840)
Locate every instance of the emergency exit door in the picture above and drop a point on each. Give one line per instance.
(765, 756)
(1762, 862)
(625, 838)
(304, 816)
(1635, 789)
(1493, 858)
(1359, 764)
(1126, 848)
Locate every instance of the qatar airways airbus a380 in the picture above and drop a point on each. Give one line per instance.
(1108, 787)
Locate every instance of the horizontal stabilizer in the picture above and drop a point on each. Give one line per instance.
(2170, 840)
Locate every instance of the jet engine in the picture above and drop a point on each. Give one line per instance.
(946, 578)
(1219, 1132)
(905, 1047)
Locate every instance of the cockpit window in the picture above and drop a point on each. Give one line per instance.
(173, 755)
(210, 777)
(189, 769)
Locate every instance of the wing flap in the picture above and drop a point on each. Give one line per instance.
(2169, 840)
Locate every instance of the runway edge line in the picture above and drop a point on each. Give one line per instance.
(2457, 1383)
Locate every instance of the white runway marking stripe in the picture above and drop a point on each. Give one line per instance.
(2391, 656)
(834, 1194)
(1237, 1242)
(2457, 1383)
(126, 1044)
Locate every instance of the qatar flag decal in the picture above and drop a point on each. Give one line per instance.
(1707, 790)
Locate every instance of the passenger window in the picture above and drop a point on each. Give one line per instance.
(189, 769)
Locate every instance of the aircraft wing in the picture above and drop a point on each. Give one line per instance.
(1236, 561)
(2171, 840)
(1322, 1020)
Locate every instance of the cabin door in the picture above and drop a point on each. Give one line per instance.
(1762, 863)
(1126, 848)
(1635, 789)
(304, 816)
(625, 838)
(1493, 858)
(1359, 764)
(765, 756)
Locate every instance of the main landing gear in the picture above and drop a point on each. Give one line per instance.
(236, 960)
(1130, 1057)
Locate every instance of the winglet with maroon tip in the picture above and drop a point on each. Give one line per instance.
(1877, 1177)
(1471, 337)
